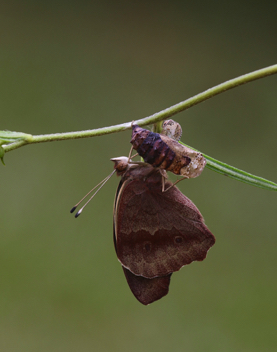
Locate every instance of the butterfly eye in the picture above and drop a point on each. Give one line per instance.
(178, 239)
(147, 246)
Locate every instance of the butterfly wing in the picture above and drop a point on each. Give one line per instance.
(146, 290)
(155, 232)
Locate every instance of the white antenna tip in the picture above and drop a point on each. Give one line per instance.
(78, 213)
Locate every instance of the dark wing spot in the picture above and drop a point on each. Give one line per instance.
(147, 246)
(178, 239)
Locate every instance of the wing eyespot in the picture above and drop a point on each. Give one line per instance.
(178, 239)
(147, 246)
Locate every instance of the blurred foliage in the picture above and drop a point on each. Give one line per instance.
(69, 66)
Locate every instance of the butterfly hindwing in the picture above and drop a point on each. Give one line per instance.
(156, 233)
(146, 290)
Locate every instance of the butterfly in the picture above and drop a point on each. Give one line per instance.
(155, 233)
(157, 229)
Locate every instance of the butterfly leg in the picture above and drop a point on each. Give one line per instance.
(130, 157)
(164, 178)
(163, 183)
(172, 184)
(135, 155)
(130, 154)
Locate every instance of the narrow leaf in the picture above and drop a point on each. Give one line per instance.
(7, 137)
(2, 153)
(237, 174)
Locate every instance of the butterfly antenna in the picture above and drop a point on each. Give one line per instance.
(100, 185)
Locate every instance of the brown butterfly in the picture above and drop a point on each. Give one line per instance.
(155, 232)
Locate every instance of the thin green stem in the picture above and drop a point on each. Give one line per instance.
(173, 110)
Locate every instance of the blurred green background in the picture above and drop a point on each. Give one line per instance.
(68, 66)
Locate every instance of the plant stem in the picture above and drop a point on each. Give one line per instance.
(166, 113)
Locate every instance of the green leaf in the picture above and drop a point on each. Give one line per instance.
(2, 153)
(7, 137)
(237, 174)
